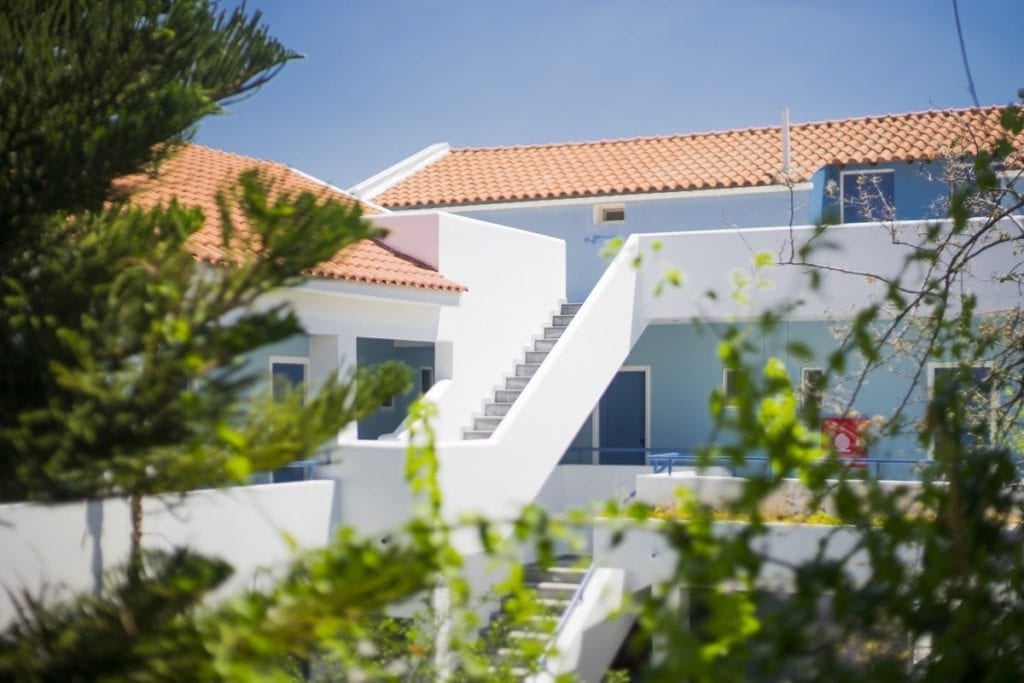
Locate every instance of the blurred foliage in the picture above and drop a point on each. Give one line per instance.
(120, 377)
(120, 352)
(326, 616)
(941, 595)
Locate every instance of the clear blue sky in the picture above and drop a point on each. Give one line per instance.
(384, 78)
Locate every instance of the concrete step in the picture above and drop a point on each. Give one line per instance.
(507, 395)
(520, 672)
(536, 356)
(520, 634)
(565, 561)
(516, 382)
(527, 369)
(567, 568)
(544, 344)
(485, 424)
(504, 398)
(560, 574)
(555, 589)
(497, 409)
(556, 604)
(561, 320)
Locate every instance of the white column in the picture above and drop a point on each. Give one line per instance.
(327, 353)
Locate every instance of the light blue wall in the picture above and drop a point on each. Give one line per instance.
(918, 187)
(584, 239)
(685, 370)
(370, 352)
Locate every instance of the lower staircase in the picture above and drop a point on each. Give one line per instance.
(504, 398)
(519, 645)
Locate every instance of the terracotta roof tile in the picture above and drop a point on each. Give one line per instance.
(724, 159)
(196, 174)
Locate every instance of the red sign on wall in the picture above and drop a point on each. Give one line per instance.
(848, 438)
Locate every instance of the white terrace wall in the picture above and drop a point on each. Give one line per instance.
(708, 260)
(49, 549)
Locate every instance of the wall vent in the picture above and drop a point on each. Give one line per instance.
(609, 213)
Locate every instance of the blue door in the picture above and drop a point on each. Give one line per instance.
(622, 416)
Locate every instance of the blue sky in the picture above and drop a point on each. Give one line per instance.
(384, 78)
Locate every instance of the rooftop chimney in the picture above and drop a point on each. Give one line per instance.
(785, 142)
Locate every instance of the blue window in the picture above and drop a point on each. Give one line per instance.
(812, 387)
(867, 196)
(287, 375)
(975, 389)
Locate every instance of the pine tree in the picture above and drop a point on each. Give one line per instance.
(118, 349)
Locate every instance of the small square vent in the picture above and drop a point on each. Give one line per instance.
(609, 213)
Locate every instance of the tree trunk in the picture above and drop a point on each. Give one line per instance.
(135, 551)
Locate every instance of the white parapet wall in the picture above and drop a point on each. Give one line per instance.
(644, 551)
(854, 259)
(51, 550)
(574, 487)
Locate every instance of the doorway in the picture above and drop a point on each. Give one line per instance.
(621, 428)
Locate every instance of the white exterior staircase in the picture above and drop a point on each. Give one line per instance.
(557, 589)
(496, 410)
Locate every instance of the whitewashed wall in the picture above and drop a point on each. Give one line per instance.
(572, 487)
(648, 558)
(51, 549)
(516, 281)
(707, 259)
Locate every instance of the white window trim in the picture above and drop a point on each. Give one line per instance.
(433, 381)
(291, 360)
(599, 210)
(803, 381)
(865, 172)
(953, 364)
(725, 388)
(595, 423)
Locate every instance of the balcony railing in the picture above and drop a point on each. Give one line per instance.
(753, 465)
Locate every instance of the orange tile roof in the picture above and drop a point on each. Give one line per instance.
(195, 175)
(726, 159)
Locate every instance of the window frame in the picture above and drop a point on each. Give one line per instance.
(965, 175)
(820, 391)
(865, 172)
(426, 371)
(289, 360)
(993, 399)
(729, 402)
(600, 209)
